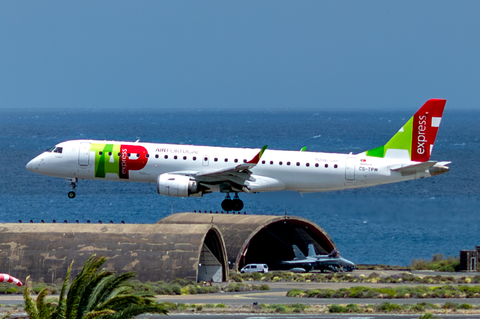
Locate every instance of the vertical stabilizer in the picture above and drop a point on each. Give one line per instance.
(311, 250)
(414, 141)
(298, 253)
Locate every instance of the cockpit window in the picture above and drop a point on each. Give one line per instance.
(55, 149)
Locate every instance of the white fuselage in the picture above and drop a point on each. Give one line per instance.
(277, 170)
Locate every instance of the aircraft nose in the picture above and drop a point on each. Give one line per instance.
(33, 164)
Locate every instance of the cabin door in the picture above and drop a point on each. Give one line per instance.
(84, 154)
(350, 169)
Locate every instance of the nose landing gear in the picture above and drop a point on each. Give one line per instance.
(73, 184)
(228, 204)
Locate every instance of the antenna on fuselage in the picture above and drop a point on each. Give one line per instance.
(137, 141)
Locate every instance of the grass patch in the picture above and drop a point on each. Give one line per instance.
(446, 291)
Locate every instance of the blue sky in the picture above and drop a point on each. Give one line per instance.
(239, 54)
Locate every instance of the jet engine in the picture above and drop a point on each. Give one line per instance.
(177, 186)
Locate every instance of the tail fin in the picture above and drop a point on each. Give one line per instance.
(414, 141)
(298, 253)
(311, 250)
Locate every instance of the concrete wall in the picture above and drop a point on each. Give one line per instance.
(155, 252)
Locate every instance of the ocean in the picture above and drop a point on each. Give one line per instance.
(389, 224)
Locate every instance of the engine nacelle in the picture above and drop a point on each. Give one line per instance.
(177, 186)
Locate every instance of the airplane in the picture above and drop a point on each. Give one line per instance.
(332, 261)
(193, 171)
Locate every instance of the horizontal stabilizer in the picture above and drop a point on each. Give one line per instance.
(413, 169)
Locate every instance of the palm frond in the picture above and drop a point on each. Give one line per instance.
(59, 313)
(90, 294)
(44, 308)
(122, 302)
(98, 314)
(80, 283)
(115, 286)
(7, 315)
(132, 311)
(30, 307)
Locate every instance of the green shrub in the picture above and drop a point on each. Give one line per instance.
(295, 293)
(256, 276)
(236, 278)
(169, 305)
(353, 308)
(279, 308)
(450, 305)
(264, 287)
(428, 315)
(417, 308)
(180, 281)
(465, 306)
(298, 307)
(219, 305)
(334, 308)
(389, 307)
(181, 306)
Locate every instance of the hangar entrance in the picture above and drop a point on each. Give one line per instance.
(211, 260)
(273, 243)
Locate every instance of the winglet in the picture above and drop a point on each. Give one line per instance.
(257, 157)
(303, 149)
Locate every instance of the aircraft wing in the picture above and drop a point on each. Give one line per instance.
(236, 175)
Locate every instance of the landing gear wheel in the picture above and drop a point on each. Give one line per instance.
(71, 194)
(227, 204)
(237, 204)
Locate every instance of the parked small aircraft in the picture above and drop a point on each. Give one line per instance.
(189, 170)
(332, 261)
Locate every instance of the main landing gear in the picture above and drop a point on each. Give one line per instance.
(73, 184)
(235, 204)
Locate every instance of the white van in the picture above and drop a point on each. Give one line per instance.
(255, 268)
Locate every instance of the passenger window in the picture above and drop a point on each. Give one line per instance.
(326, 165)
(138, 155)
(271, 162)
(148, 155)
(308, 164)
(99, 153)
(316, 165)
(226, 160)
(280, 163)
(298, 163)
(335, 166)
(288, 163)
(156, 155)
(254, 266)
(215, 159)
(109, 153)
(235, 160)
(184, 158)
(263, 162)
(205, 159)
(175, 157)
(129, 154)
(194, 158)
(244, 160)
(166, 156)
(119, 154)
